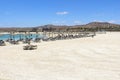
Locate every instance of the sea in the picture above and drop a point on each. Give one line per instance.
(19, 36)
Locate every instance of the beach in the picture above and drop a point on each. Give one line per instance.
(85, 58)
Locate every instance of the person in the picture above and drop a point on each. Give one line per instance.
(92, 36)
(28, 42)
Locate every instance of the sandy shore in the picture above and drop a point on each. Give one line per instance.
(89, 58)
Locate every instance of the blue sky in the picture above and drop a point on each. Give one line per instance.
(30, 13)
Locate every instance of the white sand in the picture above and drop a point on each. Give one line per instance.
(95, 58)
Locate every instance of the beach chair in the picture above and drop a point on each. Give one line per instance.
(14, 42)
(2, 43)
(30, 47)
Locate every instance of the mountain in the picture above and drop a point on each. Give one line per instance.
(90, 26)
(53, 26)
(101, 25)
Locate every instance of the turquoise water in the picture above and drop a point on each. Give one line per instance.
(19, 36)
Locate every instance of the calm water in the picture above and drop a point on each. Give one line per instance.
(19, 36)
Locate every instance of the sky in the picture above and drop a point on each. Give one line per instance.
(32, 13)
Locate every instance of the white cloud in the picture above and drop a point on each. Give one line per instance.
(98, 21)
(77, 22)
(62, 13)
(59, 22)
(110, 21)
(113, 21)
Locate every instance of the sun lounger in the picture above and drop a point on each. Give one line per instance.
(2, 43)
(30, 47)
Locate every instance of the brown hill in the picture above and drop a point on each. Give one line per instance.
(101, 25)
(90, 26)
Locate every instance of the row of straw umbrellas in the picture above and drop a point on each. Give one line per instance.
(47, 36)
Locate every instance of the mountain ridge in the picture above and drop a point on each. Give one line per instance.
(91, 25)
